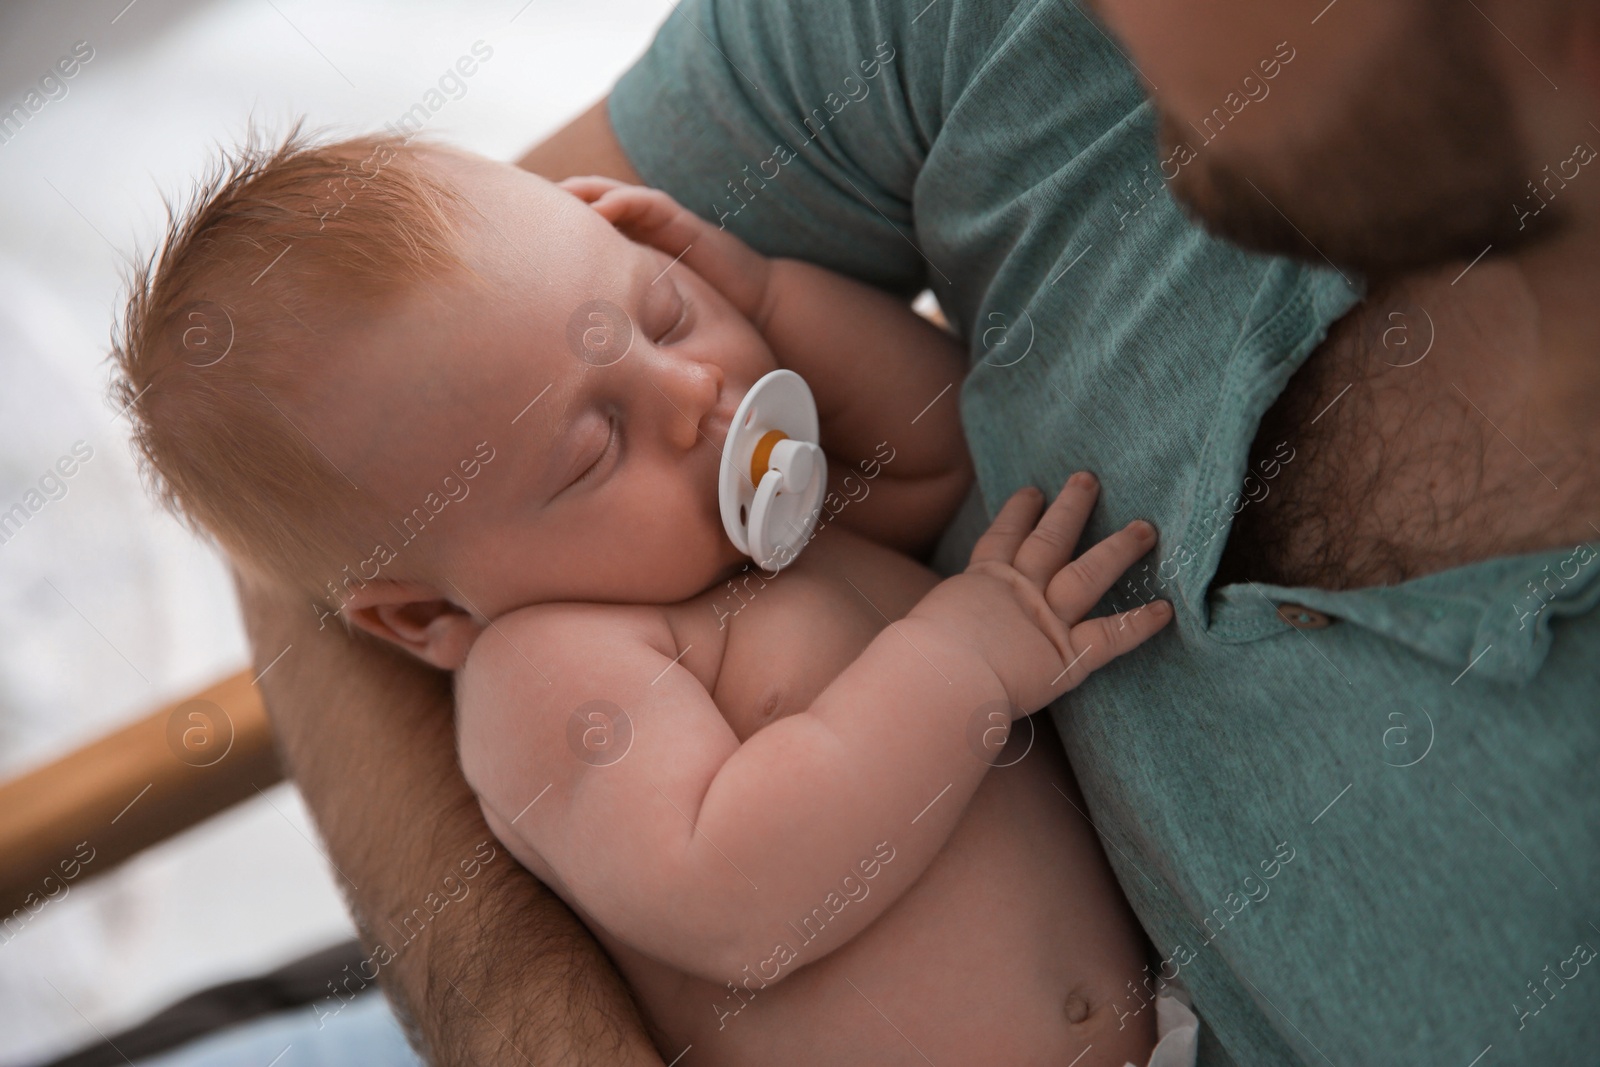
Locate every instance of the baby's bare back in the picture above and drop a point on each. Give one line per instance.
(1015, 946)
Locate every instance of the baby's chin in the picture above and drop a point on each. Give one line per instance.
(682, 583)
(660, 569)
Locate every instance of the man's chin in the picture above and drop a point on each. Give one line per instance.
(1227, 205)
(1362, 220)
(1218, 197)
(1379, 245)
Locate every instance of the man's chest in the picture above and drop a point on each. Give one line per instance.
(770, 643)
(1417, 444)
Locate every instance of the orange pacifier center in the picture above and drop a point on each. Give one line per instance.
(761, 458)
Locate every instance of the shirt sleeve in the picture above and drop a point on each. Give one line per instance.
(802, 127)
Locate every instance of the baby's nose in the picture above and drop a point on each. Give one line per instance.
(692, 390)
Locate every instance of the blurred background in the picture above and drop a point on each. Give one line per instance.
(107, 607)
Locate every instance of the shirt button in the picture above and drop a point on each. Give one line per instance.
(1303, 618)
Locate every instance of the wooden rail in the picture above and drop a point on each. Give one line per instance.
(95, 807)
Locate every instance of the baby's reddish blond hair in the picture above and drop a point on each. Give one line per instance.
(276, 250)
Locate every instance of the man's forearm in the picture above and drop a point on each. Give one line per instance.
(586, 145)
(483, 968)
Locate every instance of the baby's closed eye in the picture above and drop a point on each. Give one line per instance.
(677, 316)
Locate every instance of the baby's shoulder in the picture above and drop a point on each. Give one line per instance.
(530, 667)
(549, 642)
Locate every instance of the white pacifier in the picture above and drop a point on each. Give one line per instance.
(773, 474)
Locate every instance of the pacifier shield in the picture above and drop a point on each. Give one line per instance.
(773, 474)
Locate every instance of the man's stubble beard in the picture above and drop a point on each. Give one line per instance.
(1422, 166)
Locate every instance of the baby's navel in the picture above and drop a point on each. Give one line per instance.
(1077, 1008)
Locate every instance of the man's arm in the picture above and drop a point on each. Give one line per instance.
(586, 145)
(502, 973)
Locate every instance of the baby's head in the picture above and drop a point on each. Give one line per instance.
(429, 388)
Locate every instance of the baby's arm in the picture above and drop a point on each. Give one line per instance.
(886, 380)
(699, 851)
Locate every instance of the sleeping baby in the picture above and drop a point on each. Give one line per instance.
(480, 416)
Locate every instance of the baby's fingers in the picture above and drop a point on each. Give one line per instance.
(1047, 549)
(1078, 586)
(589, 187)
(641, 213)
(1099, 641)
(1010, 527)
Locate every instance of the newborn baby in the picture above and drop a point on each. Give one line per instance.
(789, 804)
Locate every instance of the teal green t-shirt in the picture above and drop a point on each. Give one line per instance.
(1377, 841)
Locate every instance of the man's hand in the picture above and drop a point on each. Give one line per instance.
(500, 974)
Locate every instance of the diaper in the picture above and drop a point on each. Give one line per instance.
(1177, 1033)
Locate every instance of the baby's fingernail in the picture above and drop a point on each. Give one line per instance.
(1161, 608)
(1142, 530)
(1083, 479)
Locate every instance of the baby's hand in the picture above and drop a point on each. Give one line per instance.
(1021, 603)
(651, 217)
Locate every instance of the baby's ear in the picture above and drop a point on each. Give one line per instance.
(415, 617)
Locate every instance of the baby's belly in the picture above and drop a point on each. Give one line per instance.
(1015, 947)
